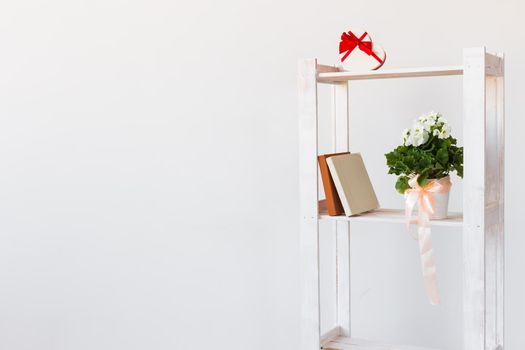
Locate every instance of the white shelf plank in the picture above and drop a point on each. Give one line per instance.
(389, 215)
(345, 343)
(325, 76)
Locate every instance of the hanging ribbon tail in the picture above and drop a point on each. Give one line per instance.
(428, 265)
(426, 206)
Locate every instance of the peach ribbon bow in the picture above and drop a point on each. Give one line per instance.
(424, 197)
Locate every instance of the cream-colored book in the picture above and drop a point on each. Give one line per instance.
(352, 183)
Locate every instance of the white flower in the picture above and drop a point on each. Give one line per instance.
(429, 118)
(428, 124)
(418, 136)
(445, 131)
(441, 120)
(428, 121)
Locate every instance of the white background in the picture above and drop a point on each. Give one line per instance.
(149, 170)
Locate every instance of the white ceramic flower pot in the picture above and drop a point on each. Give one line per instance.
(441, 201)
(441, 206)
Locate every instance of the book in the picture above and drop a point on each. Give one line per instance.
(352, 183)
(333, 203)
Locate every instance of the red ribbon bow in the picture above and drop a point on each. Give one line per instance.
(349, 42)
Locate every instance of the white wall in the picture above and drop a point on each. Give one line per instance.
(148, 169)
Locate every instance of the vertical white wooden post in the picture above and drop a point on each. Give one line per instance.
(342, 229)
(500, 256)
(474, 199)
(492, 211)
(483, 200)
(309, 229)
(494, 197)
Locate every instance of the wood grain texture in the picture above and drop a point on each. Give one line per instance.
(330, 335)
(322, 68)
(346, 343)
(309, 229)
(342, 229)
(395, 216)
(500, 251)
(494, 65)
(491, 208)
(474, 199)
(483, 200)
(341, 76)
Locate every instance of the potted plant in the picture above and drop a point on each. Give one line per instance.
(424, 161)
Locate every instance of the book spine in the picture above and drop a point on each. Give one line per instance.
(339, 188)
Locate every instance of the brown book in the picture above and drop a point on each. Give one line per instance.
(333, 203)
(352, 183)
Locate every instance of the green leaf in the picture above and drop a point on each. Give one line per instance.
(442, 156)
(402, 184)
(424, 163)
(402, 166)
(410, 162)
(459, 170)
(422, 179)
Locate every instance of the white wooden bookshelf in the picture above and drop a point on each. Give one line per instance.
(483, 201)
